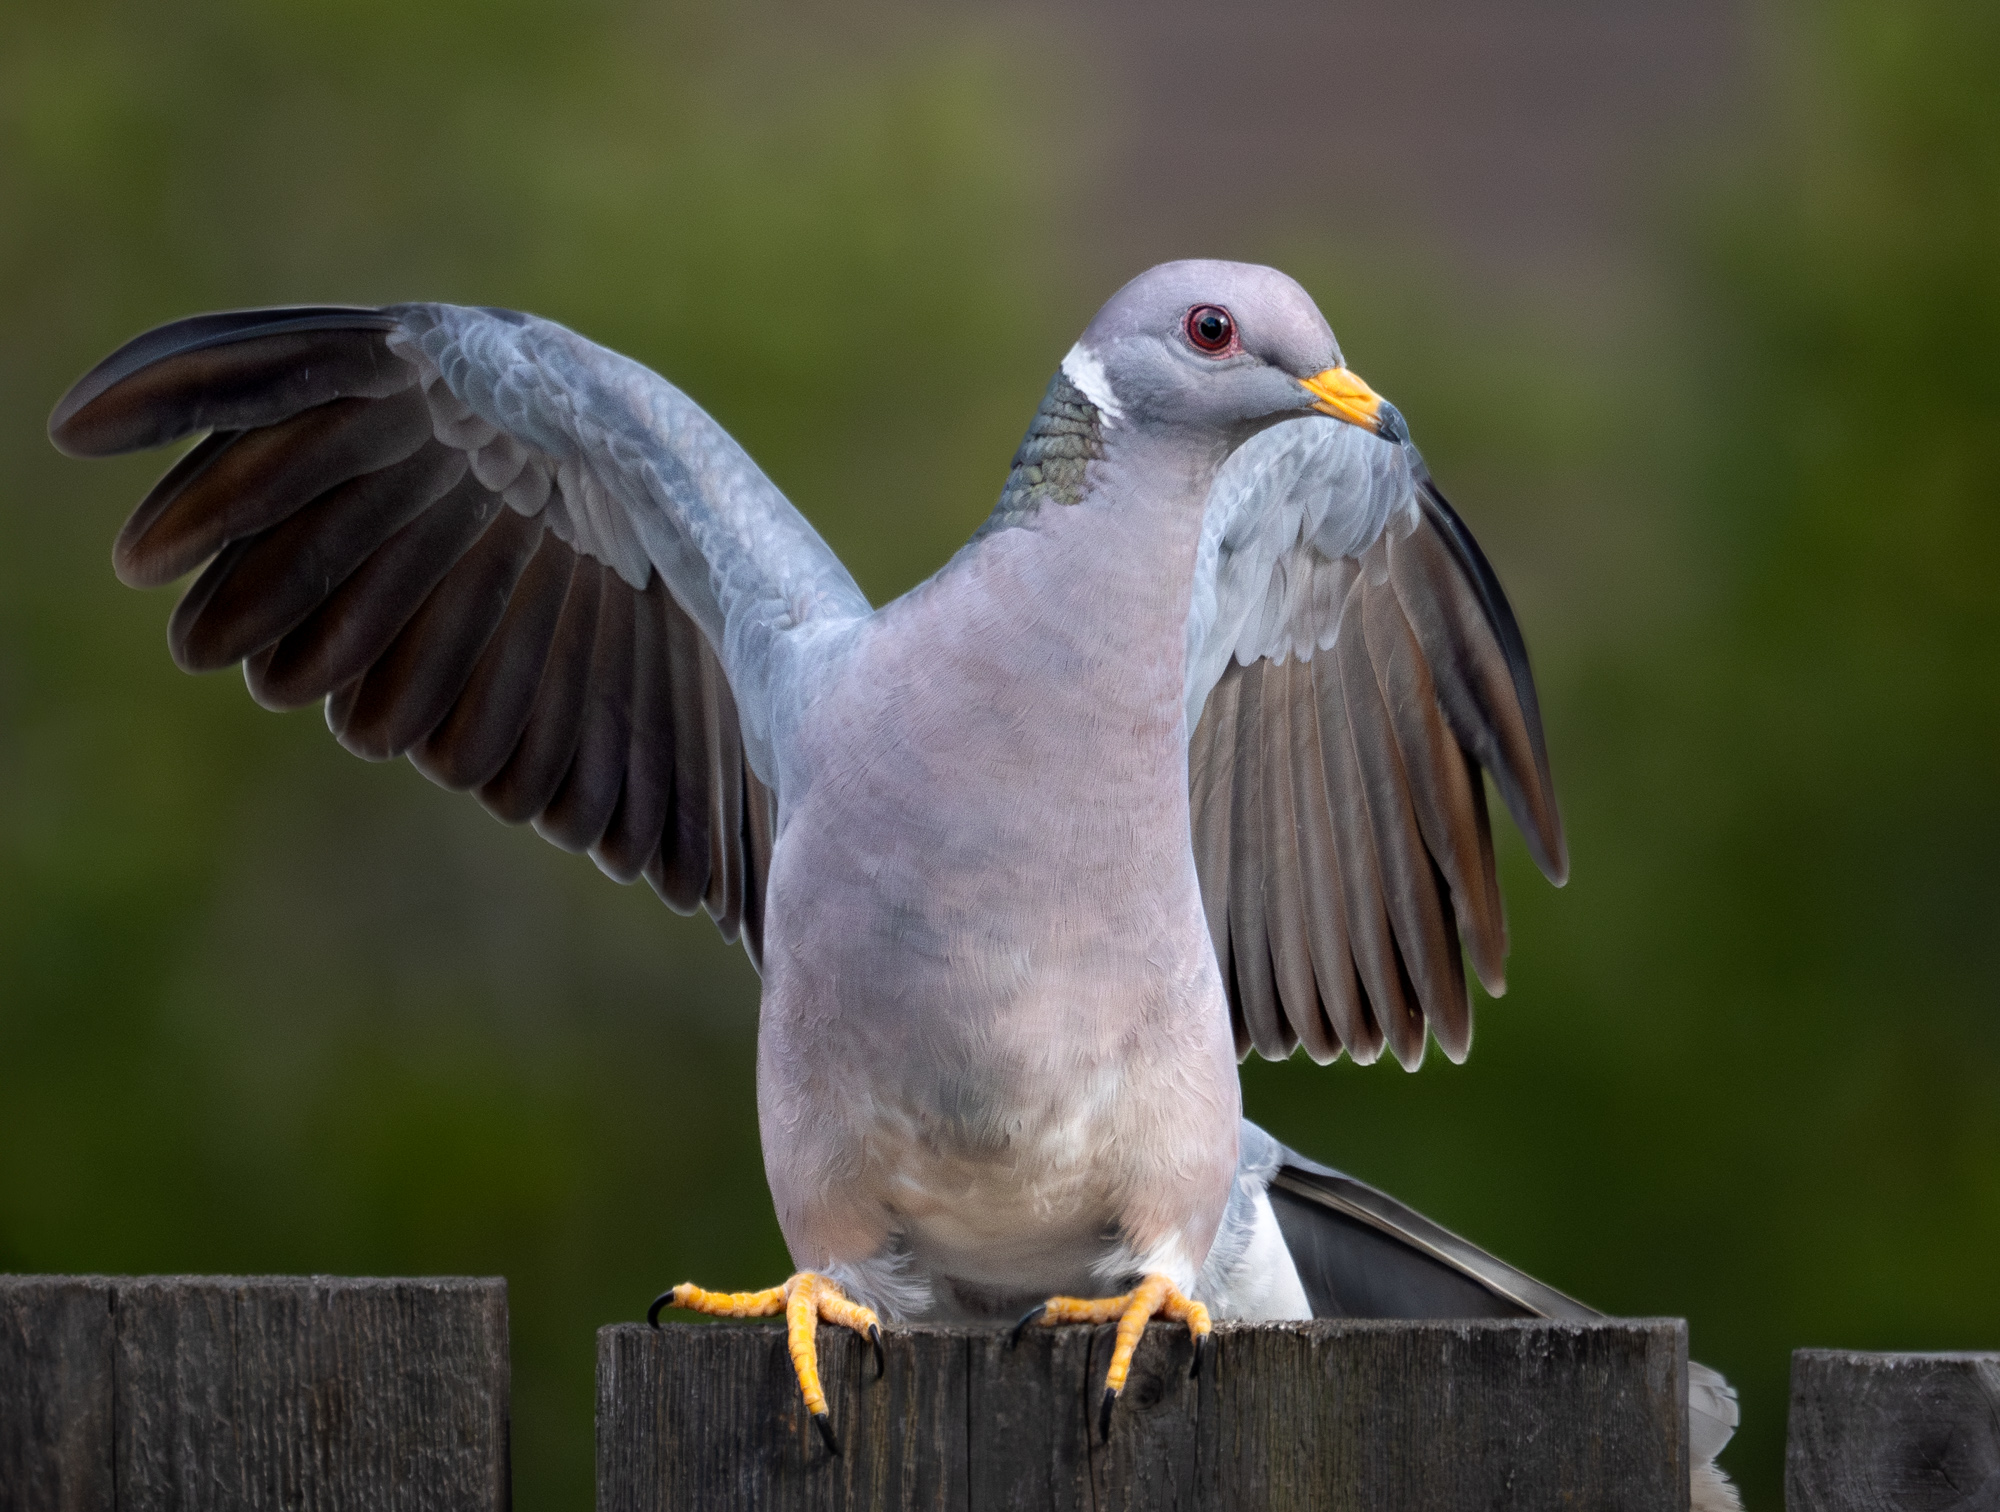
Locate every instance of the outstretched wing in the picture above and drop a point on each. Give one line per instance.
(1353, 664)
(527, 563)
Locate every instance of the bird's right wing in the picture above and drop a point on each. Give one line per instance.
(530, 564)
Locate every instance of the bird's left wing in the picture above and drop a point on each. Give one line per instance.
(1352, 665)
(530, 564)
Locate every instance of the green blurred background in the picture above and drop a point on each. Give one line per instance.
(1696, 314)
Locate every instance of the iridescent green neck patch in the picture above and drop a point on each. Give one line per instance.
(1066, 434)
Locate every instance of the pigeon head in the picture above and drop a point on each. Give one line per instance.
(1224, 347)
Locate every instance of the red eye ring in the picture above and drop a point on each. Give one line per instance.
(1211, 328)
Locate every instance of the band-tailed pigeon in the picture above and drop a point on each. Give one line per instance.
(1179, 757)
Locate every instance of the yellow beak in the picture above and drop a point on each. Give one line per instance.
(1345, 397)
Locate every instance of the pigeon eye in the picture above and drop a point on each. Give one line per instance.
(1210, 328)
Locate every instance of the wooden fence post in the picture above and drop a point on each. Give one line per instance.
(1888, 1432)
(252, 1394)
(1328, 1414)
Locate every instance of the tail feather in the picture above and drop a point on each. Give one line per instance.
(1359, 1253)
(1712, 1418)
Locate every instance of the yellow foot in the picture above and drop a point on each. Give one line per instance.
(1155, 1296)
(806, 1300)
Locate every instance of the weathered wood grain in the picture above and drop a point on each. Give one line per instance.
(55, 1394)
(241, 1394)
(1033, 1438)
(1875, 1432)
(715, 1422)
(1329, 1414)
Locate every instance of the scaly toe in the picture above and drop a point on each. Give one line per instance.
(1155, 1296)
(806, 1300)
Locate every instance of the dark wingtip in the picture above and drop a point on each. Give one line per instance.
(1546, 841)
(69, 422)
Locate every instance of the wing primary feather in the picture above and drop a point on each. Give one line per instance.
(665, 878)
(1488, 868)
(1339, 1023)
(340, 704)
(581, 810)
(1284, 902)
(1493, 599)
(191, 653)
(474, 740)
(1248, 928)
(1362, 889)
(683, 868)
(724, 900)
(227, 371)
(1411, 893)
(1440, 787)
(1452, 1026)
(1360, 926)
(343, 636)
(523, 787)
(186, 470)
(415, 682)
(634, 833)
(249, 597)
(1480, 668)
(261, 478)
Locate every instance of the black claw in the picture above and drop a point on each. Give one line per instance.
(1026, 1318)
(1104, 1415)
(823, 1421)
(664, 1300)
(1200, 1353)
(881, 1358)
